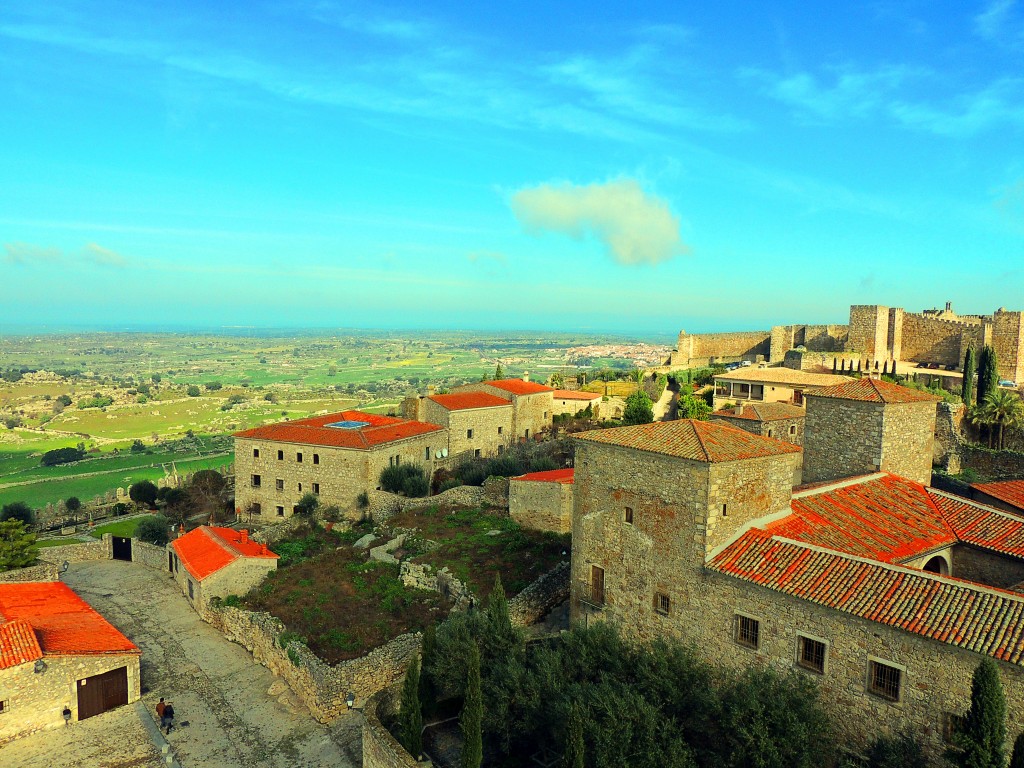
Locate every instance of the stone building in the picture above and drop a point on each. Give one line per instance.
(57, 654)
(336, 457)
(532, 403)
(211, 562)
(569, 402)
(885, 591)
(478, 423)
(542, 500)
(779, 420)
(866, 425)
(769, 385)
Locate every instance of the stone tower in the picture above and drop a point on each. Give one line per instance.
(868, 425)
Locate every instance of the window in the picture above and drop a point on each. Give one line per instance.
(951, 726)
(769, 433)
(298, 457)
(398, 460)
(191, 590)
(597, 584)
(628, 517)
(426, 453)
(295, 510)
(300, 487)
(256, 481)
(4, 706)
(725, 510)
(316, 458)
(499, 430)
(811, 654)
(280, 455)
(545, 414)
(280, 485)
(757, 391)
(255, 453)
(476, 453)
(501, 449)
(255, 508)
(747, 631)
(280, 511)
(792, 429)
(884, 680)
(469, 434)
(526, 434)
(661, 603)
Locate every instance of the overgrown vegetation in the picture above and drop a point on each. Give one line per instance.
(407, 479)
(17, 546)
(518, 459)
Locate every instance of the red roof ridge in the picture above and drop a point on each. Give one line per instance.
(461, 401)
(873, 390)
(549, 476)
(700, 439)
(834, 485)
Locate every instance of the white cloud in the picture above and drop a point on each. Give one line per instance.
(103, 256)
(25, 253)
(635, 227)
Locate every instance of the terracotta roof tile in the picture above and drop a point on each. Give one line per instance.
(874, 391)
(206, 550)
(460, 401)
(63, 623)
(981, 526)
(378, 430)
(18, 644)
(549, 476)
(518, 386)
(763, 412)
(575, 394)
(1007, 491)
(704, 441)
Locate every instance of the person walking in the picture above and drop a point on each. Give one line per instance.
(168, 716)
(161, 709)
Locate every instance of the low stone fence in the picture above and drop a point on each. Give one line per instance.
(380, 748)
(383, 505)
(538, 599)
(79, 553)
(423, 576)
(149, 555)
(42, 572)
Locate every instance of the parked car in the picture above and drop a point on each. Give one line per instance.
(1005, 383)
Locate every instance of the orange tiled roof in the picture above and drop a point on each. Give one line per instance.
(704, 441)
(981, 526)
(549, 476)
(763, 412)
(206, 550)
(379, 430)
(519, 387)
(461, 401)
(1008, 491)
(18, 644)
(575, 394)
(874, 391)
(62, 622)
(963, 614)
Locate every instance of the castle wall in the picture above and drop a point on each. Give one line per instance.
(931, 340)
(869, 330)
(1008, 342)
(703, 348)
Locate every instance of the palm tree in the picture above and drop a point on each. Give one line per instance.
(1004, 409)
(980, 416)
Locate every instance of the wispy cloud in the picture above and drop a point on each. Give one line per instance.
(1010, 203)
(495, 257)
(1002, 22)
(104, 256)
(27, 253)
(634, 226)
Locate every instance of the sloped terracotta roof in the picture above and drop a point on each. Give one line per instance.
(379, 430)
(881, 517)
(18, 644)
(787, 377)
(575, 394)
(63, 623)
(951, 611)
(981, 526)
(519, 387)
(763, 412)
(704, 441)
(1007, 491)
(206, 550)
(549, 476)
(460, 401)
(874, 391)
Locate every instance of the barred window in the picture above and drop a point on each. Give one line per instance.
(280, 484)
(629, 515)
(4, 706)
(662, 604)
(884, 680)
(811, 654)
(748, 631)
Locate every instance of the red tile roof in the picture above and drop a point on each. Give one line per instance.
(763, 412)
(519, 387)
(461, 401)
(18, 644)
(981, 526)
(1008, 491)
(874, 391)
(951, 611)
(704, 441)
(63, 624)
(207, 550)
(379, 430)
(550, 476)
(575, 394)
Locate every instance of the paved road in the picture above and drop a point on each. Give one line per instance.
(238, 713)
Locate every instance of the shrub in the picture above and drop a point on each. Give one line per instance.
(61, 456)
(18, 510)
(192, 391)
(73, 504)
(143, 492)
(409, 479)
(153, 530)
(307, 505)
(138, 447)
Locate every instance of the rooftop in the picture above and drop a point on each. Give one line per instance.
(564, 476)
(783, 376)
(207, 549)
(519, 387)
(1007, 491)
(575, 394)
(366, 431)
(704, 441)
(763, 412)
(874, 391)
(48, 619)
(462, 401)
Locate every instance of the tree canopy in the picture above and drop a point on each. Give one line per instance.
(143, 492)
(639, 409)
(17, 546)
(18, 510)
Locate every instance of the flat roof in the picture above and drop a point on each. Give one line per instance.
(783, 376)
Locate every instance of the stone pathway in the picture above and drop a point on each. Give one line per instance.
(230, 711)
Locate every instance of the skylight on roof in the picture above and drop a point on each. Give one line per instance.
(348, 424)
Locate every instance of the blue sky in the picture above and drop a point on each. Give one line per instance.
(561, 166)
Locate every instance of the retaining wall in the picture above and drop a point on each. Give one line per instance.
(380, 748)
(42, 572)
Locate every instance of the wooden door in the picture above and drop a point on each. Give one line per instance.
(102, 692)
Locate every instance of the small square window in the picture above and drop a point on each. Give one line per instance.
(628, 516)
(280, 511)
(469, 434)
(884, 680)
(747, 631)
(280, 455)
(545, 414)
(476, 453)
(256, 481)
(295, 510)
(811, 654)
(316, 458)
(298, 457)
(255, 508)
(255, 453)
(792, 429)
(316, 488)
(499, 430)
(662, 604)
(5, 706)
(280, 484)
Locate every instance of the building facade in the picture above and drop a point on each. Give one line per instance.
(779, 420)
(542, 500)
(478, 423)
(532, 403)
(769, 385)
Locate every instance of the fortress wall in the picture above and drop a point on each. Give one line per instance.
(931, 340)
(1008, 342)
(700, 348)
(869, 330)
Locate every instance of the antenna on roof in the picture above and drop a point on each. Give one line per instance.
(437, 454)
(444, 453)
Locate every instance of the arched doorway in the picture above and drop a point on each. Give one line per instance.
(937, 565)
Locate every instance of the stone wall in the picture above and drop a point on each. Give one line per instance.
(42, 572)
(934, 340)
(842, 438)
(542, 506)
(383, 505)
(79, 553)
(908, 440)
(541, 597)
(705, 348)
(149, 555)
(1008, 342)
(380, 748)
(985, 567)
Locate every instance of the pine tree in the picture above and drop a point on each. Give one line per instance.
(410, 716)
(980, 744)
(471, 719)
(967, 387)
(498, 372)
(572, 756)
(1017, 757)
(428, 692)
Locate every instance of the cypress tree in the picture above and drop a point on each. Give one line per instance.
(572, 756)
(876, 364)
(967, 386)
(988, 376)
(427, 691)
(834, 363)
(410, 716)
(1017, 757)
(885, 368)
(471, 718)
(860, 366)
(980, 743)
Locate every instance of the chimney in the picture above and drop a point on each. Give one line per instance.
(526, 375)
(738, 410)
(245, 535)
(949, 306)
(430, 390)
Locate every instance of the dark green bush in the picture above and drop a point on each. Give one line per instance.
(409, 479)
(153, 530)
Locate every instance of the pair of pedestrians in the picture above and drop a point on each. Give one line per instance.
(166, 714)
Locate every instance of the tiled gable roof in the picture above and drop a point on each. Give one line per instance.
(1008, 491)
(460, 401)
(575, 394)
(704, 441)
(549, 476)
(981, 526)
(379, 430)
(63, 623)
(959, 613)
(18, 644)
(206, 550)
(874, 391)
(518, 386)
(763, 412)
